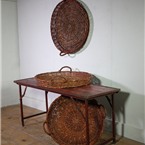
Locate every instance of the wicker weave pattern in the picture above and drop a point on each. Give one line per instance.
(63, 79)
(69, 26)
(66, 125)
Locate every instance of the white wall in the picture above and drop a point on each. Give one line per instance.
(114, 52)
(144, 70)
(128, 64)
(10, 54)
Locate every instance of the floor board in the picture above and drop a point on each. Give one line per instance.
(12, 132)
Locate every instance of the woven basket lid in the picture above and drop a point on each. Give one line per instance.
(69, 26)
(66, 125)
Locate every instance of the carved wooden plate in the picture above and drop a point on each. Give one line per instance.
(69, 26)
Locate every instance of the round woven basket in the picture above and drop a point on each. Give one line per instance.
(66, 125)
(63, 79)
(69, 26)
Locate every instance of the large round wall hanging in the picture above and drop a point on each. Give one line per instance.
(69, 26)
(66, 125)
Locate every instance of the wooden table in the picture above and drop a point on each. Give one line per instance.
(85, 93)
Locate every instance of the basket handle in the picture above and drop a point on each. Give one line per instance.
(45, 129)
(104, 110)
(62, 53)
(66, 67)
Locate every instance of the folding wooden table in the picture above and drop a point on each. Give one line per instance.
(85, 93)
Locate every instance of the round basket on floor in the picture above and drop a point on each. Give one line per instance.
(65, 123)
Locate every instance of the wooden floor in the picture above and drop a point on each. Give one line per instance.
(12, 132)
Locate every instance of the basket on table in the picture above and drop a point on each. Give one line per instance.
(63, 79)
(66, 125)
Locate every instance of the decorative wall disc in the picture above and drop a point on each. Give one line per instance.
(69, 26)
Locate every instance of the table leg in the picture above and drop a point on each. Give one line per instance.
(113, 120)
(21, 105)
(87, 123)
(46, 100)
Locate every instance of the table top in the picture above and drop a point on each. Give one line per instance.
(87, 92)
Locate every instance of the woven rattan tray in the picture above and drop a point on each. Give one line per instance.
(69, 26)
(63, 79)
(66, 125)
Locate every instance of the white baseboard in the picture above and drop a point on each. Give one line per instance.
(126, 130)
(39, 104)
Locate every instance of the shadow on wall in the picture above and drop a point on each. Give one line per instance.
(120, 100)
(95, 80)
